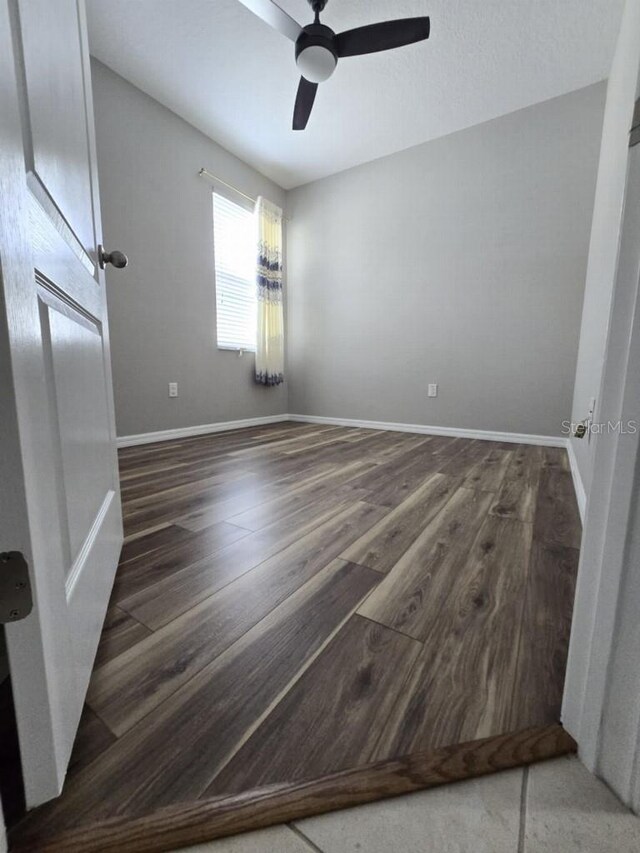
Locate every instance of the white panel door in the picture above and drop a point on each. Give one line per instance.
(60, 503)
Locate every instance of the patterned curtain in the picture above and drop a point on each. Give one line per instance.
(270, 343)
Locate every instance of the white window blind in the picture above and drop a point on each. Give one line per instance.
(234, 248)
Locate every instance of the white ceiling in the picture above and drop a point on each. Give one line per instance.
(233, 77)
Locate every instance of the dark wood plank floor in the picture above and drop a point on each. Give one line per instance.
(296, 601)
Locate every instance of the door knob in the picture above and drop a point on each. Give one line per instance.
(117, 259)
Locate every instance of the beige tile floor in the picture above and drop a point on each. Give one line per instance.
(552, 807)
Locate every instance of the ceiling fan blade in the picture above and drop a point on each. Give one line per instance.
(384, 36)
(304, 102)
(276, 17)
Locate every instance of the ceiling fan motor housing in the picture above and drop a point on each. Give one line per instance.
(316, 53)
(318, 5)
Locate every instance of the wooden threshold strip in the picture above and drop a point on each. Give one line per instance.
(195, 823)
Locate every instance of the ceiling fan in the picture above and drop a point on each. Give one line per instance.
(318, 48)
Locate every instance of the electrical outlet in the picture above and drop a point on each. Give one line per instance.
(173, 389)
(433, 389)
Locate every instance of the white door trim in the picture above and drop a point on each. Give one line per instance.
(597, 625)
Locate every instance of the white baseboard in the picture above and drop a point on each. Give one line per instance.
(578, 485)
(203, 429)
(423, 429)
(486, 435)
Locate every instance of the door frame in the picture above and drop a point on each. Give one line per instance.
(598, 626)
(607, 753)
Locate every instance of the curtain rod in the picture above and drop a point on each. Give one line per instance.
(205, 173)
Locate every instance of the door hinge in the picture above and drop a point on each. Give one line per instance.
(634, 134)
(15, 587)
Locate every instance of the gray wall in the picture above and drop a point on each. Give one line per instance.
(461, 261)
(603, 249)
(162, 307)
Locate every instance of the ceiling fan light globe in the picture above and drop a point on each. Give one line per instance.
(316, 64)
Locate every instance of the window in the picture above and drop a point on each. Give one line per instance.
(234, 247)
